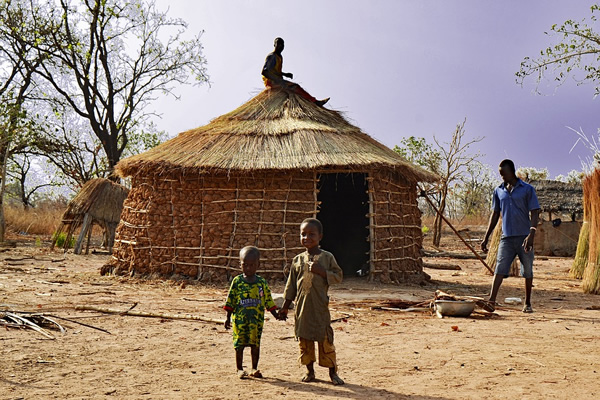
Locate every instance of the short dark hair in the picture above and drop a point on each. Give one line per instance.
(508, 163)
(278, 39)
(315, 222)
(251, 251)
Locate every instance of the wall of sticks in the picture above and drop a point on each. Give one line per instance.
(193, 226)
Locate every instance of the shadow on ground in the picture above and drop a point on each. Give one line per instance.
(347, 391)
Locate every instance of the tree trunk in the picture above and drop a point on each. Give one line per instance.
(3, 162)
(437, 224)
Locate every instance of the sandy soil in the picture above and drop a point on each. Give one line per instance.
(550, 354)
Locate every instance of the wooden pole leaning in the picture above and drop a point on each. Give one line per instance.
(424, 195)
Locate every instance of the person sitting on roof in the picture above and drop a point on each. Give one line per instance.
(273, 76)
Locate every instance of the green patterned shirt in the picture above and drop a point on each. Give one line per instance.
(247, 302)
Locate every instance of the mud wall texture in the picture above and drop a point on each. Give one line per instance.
(193, 226)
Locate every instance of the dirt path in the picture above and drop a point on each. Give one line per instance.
(551, 354)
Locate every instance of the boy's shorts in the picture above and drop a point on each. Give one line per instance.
(508, 249)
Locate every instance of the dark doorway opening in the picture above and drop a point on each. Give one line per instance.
(343, 212)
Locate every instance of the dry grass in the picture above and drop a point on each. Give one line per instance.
(41, 221)
(591, 190)
(471, 220)
(583, 248)
(276, 130)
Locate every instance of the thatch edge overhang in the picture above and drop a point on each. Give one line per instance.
(141, 168)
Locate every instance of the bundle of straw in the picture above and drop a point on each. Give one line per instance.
(493, 251)
(591, 194)
(583, 249)
(583, 244)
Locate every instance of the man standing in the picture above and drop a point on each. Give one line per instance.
(517, 202)
(273, 75)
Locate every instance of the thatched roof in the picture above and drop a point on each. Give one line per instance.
(101, 198)
(276, 130)
(559, 197)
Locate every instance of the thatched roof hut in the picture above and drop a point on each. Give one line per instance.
(557, 197)
(99, 201)
(251, 176)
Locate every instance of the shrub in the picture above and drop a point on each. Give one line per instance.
(61, 238)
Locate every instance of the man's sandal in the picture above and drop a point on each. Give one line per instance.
(489, 306)
(242, 374)
(256, 373)
(527, 309)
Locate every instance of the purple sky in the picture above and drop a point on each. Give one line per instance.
(398, 68)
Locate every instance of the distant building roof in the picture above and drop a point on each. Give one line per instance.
(559, 197)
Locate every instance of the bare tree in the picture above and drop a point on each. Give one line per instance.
(18, 63)
(106, 61)
(19, 170)
(455, 159)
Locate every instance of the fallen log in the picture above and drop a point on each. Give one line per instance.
(450, 254)
(448, 267)
(150, 314)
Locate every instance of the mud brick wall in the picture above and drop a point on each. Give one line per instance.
(194, 226)
(395, 229)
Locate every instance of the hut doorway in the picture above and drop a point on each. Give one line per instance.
(344, 213)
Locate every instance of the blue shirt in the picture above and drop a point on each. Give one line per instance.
(514, 207)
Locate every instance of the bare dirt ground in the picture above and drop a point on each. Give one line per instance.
(550, 354)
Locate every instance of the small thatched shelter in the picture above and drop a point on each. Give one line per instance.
(559, 199)
(100, 202)
(250, 177)
(560, 218)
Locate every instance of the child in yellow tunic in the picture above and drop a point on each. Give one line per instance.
(247, 300)
(311, 274)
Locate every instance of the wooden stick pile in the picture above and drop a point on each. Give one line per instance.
(37, 322)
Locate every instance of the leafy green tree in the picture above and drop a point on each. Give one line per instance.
(417, 151)
(576, 55)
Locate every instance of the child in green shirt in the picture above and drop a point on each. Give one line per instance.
(249, 296)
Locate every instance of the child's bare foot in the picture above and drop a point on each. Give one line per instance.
(335, 379)
(242, 374)
(309, 377)
(256, 373)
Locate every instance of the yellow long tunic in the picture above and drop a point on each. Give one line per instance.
(309, 291)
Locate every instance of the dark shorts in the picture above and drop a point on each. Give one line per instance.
(508, 249)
